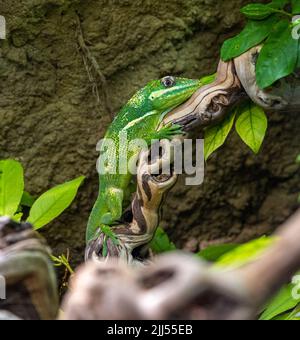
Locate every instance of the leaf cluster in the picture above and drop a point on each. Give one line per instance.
(43, 210)
(276, 26)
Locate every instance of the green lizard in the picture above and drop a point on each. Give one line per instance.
(140, 119)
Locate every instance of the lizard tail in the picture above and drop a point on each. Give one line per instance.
(94, 221)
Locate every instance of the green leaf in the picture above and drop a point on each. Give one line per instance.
(161, 242)
(245, 253)
(282, 317)
(282, 303)
(251, 125)
(257, 11)
(213, 253)
(11, 187)
(279, 4)
(52, 203)
(278, 57)
(296, 6)
(296, 35)
(17, 217)
(27, 200)
(295, 315)
(216, 136)
(208, 79)
(60, 261)
(253, 34)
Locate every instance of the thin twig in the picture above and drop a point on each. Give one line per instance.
(91, 65)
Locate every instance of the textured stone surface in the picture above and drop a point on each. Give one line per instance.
(51, 119)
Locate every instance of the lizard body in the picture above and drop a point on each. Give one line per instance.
(140, 119)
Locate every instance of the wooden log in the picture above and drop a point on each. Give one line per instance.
(180, 286)
(31, 289)
(283, 96)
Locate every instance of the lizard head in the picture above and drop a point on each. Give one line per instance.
(170, 92)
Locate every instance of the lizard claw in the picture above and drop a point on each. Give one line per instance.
(170, 131)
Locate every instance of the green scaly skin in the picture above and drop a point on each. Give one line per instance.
(140, 118)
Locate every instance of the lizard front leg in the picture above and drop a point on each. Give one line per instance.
(114, 200)
(168, 132)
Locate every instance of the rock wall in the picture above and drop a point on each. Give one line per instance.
(54, 107)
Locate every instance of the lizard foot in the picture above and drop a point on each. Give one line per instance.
(170, 131)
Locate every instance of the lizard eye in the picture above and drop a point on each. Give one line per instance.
(168, 81)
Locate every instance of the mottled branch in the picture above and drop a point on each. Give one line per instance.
(179, 286)
(210, 103)
(31, 290)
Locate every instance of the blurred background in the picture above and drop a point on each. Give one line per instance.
(67, 65)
